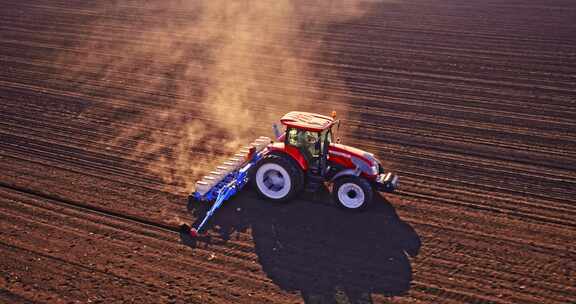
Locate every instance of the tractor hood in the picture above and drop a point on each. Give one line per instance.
(352, 158)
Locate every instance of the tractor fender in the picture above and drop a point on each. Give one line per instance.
(346, 172)
(287, 156)
(289, 152)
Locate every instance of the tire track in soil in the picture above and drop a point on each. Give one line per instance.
(148, 255)
(445, 293)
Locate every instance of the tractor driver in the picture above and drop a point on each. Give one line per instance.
(308, 140)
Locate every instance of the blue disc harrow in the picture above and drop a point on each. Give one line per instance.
(227, 180)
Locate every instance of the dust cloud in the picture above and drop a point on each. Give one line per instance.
(189, 82)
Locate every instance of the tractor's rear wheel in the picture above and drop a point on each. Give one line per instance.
(277, 178)
(352, 193)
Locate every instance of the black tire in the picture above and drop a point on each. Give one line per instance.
(352, 193)
(292, 172)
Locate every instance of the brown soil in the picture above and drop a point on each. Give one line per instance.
(472, 104)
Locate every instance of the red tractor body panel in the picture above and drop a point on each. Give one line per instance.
(343, 150)
(337, 154)
(292, 151)
(343, 155)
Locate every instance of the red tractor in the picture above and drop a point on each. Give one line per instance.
(306, 156)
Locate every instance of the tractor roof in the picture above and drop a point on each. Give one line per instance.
(307, 121)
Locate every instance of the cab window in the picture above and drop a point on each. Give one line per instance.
(305, 140)
(326, 136)
(301, 138)
(293, 137)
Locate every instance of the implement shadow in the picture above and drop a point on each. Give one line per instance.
(327, 254)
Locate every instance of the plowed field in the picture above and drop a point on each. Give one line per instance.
(110, 110)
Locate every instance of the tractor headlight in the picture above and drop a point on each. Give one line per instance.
(374, 169)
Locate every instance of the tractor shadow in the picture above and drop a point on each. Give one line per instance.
(329, 255)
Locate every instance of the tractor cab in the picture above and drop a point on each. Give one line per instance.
(311, 135)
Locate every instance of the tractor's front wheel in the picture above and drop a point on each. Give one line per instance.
(277, 178)
(352, 192)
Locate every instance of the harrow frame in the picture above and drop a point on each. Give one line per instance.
(225, 184)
